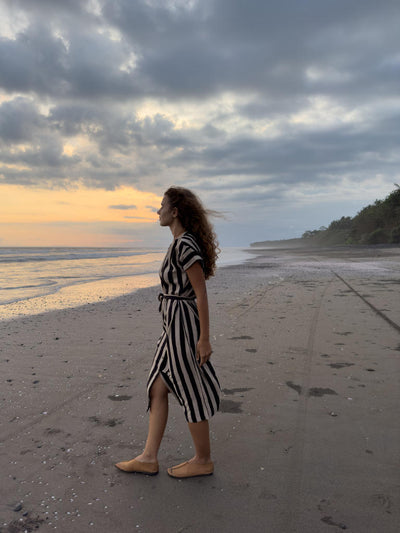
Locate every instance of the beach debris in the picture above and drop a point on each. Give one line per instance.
(28, 523)
(297, 388)
(119, 397)
(340, 365)
(53, 431)
(273, 431)
(318, 391)
(234, 391)
(111, 422)
(328, 520)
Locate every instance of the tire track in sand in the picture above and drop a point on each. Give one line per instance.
(375, 309)
(296, 468)
(294, 491)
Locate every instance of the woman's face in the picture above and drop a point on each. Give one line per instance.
(166, 213)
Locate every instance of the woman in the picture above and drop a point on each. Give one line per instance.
(181, 362)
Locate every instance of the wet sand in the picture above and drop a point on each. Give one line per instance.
(307, 349)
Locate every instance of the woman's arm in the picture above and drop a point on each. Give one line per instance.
(198, 282)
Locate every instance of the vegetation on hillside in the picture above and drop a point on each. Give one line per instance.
(378, 223)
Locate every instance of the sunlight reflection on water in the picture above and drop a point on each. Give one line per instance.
(77, 295)
(35, 281)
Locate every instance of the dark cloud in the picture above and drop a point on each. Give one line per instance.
(112, 129)
(195, 53)
(56, 8)
(34, 61)
(253, 46)
(27, 139)
(122, 207)
(20, 120)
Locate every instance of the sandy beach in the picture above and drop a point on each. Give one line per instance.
(307, 349)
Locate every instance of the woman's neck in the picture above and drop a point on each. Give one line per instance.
(177, 229)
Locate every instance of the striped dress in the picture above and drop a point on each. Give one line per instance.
(196, 388)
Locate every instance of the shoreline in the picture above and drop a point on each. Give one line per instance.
(85, 292)
(304, 441)
(77, 295)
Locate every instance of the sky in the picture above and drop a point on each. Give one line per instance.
(282, 115)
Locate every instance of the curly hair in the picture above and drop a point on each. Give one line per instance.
(194, 218)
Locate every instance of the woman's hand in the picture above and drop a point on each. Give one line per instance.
(196, 278)
(203, 351)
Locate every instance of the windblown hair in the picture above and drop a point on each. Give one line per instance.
(194, 218)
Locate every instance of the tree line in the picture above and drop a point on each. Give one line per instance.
(378, 223)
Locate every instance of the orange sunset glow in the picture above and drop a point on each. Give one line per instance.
(74, 217)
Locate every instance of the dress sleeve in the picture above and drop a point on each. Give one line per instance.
(188, 254)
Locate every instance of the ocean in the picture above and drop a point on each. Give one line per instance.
(35, 280)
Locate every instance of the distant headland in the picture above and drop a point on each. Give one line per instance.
(378, 223)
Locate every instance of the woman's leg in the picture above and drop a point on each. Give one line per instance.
(157, 422)
(200, 464)
(201, 439)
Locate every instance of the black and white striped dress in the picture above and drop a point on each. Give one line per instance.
(196, 388)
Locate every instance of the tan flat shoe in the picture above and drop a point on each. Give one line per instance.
(150, 469)
(188, 469)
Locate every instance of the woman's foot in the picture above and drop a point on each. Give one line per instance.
(200, 460)
(139, 466)
(193, 468)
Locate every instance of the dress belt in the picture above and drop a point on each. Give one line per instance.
(163, 296)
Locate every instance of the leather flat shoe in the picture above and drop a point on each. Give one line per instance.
(188, 469)
(150, 469)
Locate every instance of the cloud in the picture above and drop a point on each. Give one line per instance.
(19, 120)
(248, 103)
(123, 207)
(71, 65)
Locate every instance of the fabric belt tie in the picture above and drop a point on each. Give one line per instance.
(163, 296)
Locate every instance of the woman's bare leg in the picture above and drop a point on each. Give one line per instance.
(157, 422)
(201, 439)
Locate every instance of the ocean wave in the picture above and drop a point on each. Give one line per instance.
(34, 286)
(23, 255)
(54, 288)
